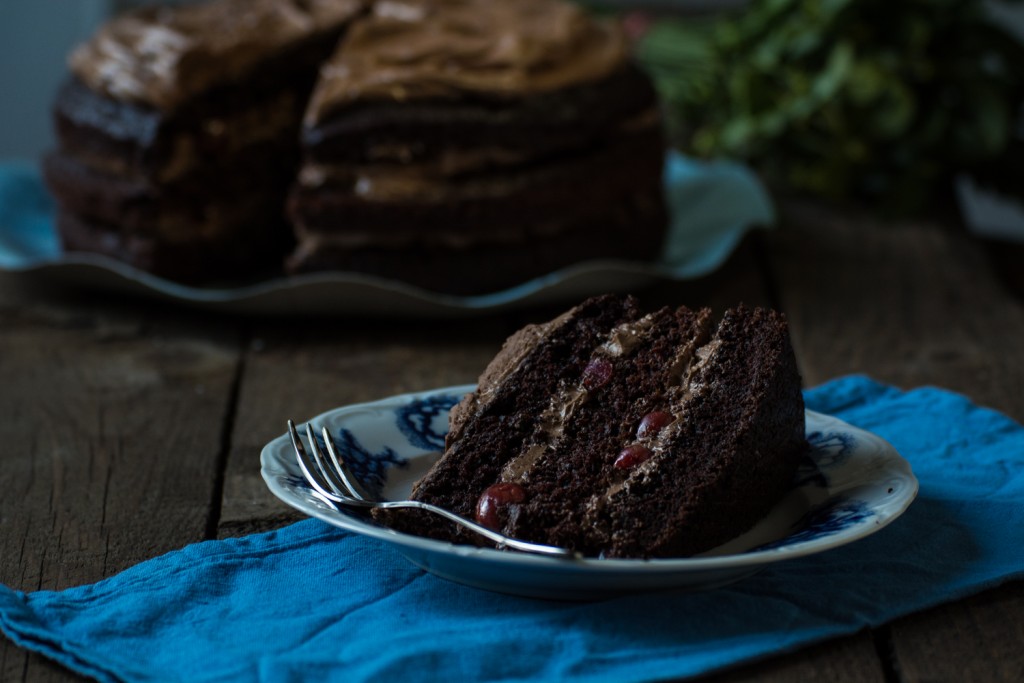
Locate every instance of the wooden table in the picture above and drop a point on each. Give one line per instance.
(131, 428)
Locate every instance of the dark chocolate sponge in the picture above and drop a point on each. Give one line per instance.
(658, 436)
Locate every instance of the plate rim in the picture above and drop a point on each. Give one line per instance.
(895, 463)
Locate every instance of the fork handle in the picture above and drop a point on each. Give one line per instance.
(501, 540)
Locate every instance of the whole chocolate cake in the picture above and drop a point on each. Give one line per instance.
(178, 129)
(620, 434)
(468, 145)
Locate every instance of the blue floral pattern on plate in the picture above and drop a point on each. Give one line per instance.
(824, 520)
(851, 484)
(424, 422)
(369, 467)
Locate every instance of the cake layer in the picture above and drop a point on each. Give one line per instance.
(632, 230)
(125, 139)
(522, 128)
(414, 204)
(666, 437)
(245, 252)
(197, 207)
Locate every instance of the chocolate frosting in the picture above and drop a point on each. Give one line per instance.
(162, 56)
(441, 49)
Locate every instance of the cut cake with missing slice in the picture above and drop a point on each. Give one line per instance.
(620, 434)
(177, 134)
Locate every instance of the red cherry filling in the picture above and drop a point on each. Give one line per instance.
(493, 501)
(631, 456)
(652, 423)
(596, 374)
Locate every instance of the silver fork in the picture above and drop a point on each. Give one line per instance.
(333, 482)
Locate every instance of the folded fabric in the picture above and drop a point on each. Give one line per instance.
(310, 602)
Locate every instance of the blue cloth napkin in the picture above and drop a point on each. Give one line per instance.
(309, 602)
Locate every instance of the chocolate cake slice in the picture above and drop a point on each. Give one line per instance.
(662, 435)
(177, 133)
(468, 145)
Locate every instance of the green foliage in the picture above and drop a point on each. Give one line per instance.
(884, 99)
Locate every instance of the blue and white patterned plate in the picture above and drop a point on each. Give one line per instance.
(852, 484)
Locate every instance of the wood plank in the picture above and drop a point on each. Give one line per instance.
(845, 660)
(977, 640)
(912, 304)
(111, 431)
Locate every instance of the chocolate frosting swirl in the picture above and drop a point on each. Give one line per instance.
(419, 49)
(162, 56)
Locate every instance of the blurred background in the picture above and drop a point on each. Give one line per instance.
(900, 106)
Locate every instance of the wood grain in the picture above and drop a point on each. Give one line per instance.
(912, 304)
(111, 427)
(297, 371)
(844, 660)
(980, 639)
